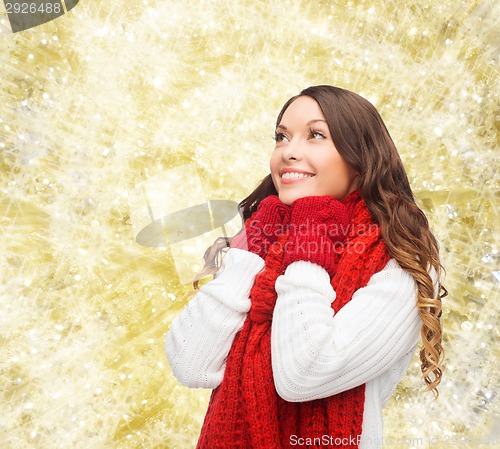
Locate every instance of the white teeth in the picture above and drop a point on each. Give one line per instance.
(293, 175)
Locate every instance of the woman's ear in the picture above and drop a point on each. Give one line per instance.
(355, 182)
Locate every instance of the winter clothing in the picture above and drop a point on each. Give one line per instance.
(300, 358)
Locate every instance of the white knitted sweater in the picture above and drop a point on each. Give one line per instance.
(315, 354)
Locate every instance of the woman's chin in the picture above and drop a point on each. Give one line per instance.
(288, 197)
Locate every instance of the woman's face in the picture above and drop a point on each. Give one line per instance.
(305, 161)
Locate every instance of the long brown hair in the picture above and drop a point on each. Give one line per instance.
(361, 137)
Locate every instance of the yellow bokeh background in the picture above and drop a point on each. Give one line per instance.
(101, 103)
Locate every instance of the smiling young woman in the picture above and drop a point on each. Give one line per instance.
(318, 304)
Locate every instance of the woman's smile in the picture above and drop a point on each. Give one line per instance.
(293, 175)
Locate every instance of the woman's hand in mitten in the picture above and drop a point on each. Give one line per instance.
(261, 230)
(318, 225)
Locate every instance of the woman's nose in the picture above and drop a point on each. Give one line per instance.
(292, 150)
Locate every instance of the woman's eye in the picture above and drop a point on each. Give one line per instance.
(317, 135)
(280, 137)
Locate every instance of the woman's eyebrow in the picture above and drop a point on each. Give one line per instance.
(310, 122)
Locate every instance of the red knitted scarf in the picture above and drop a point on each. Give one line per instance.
(245, 411)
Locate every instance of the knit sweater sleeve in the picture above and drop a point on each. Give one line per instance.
(316, 354)
(199, 339)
